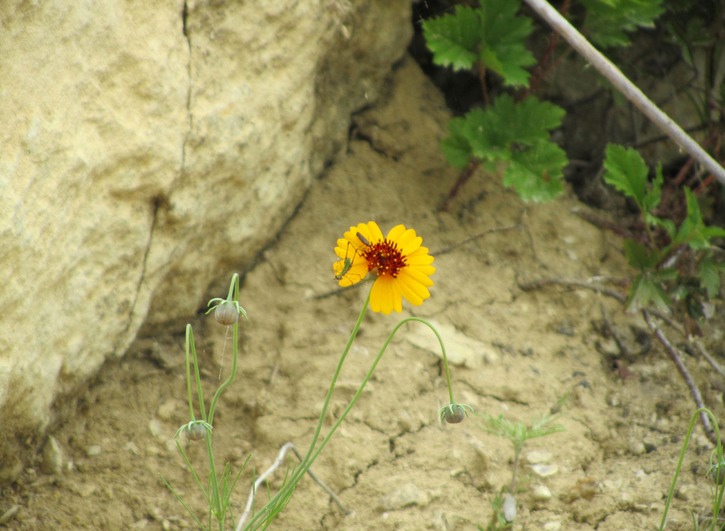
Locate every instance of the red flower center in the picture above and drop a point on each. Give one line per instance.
(385, 258)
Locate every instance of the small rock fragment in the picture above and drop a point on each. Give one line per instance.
(94, 450)
(541, 493)
(543, 470)
(404, 496)
(52, 462)
(509, 507)
(538, 456)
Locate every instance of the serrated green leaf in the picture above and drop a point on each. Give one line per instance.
(536, 172)
(455, 147)
(653, 193)
(666, 224)
(640, 256)
(608, 21)
(646, 291)
(492, 132)
(454, 39)
(504, 41)
(626, 171)
(692, 231)
(709, 274)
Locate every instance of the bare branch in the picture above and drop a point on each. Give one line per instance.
(626, 87)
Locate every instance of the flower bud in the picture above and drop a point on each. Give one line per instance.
(453, 414)
(226, 313)
(195, 431)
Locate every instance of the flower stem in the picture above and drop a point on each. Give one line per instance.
(277, 503)
(233, 296)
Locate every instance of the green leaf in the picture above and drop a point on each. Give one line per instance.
(455, 147)
(653, 193)
(708, 271)
(494, 130)
(454, 39)
(640, 256)
(536, 173)
(626, 171)
(515, 133)
(504, 36)
(491, 34)
(608, 21)
(646, 291)
(693, 231)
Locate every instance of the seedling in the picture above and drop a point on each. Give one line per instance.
(518, 433)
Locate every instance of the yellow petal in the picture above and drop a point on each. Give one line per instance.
(383, 296)
(408, 242)
(412, 289)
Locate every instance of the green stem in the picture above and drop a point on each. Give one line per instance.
(233, 296)
(189, 337)
(719, 451)
(369, 375)
(286, 492)
(280, 499)
(197, 374)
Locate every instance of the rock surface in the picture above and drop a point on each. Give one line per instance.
(147, 150)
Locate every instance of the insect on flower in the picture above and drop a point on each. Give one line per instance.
(400, 264)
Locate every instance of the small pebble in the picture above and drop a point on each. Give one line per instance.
(156, 428)
(52, 462)
(509, 507)
(94, 450)
(172, 409)
(544, 471)
(636, 447)
(552, 526)
(541, 493)
(404, 496)
(538, 456)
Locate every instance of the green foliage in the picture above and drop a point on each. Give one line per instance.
(518, 432)
(656, 283)
(609, 21)
(491, 36)
(516, 134)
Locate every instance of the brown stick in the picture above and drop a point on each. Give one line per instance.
(671, 351)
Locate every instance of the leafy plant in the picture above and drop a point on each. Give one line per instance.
(515, 135)
(518, 433)
(509, 133)
(490, 37)
(672, 261)
(608, 22)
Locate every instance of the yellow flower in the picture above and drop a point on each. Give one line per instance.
(402, 265)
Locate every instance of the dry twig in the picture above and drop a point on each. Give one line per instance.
(626, 87)
(672, 352)
(288, 447)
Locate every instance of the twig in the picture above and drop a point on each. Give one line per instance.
(626, 87)
(456, 245)
(462, 178)
(288, 447)
(705, 354)
(671, 351)
(587, 284)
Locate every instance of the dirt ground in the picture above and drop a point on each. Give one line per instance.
(392, 463)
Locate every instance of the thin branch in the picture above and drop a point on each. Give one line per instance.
(671, 351)
(288, 447)
(705, 354)
(626, 87)
(588, 284)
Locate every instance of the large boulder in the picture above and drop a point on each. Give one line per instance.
(146, 149)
